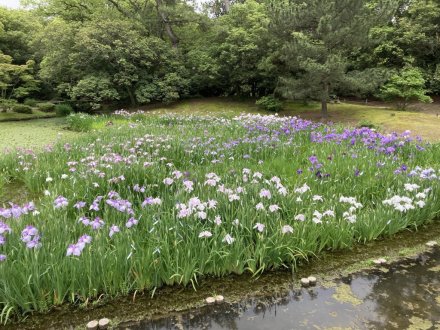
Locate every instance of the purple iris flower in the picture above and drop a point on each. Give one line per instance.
(131, 222)
(113, 230)
(73, 250)
(4, 228)
(97, 223)
(76, 249)
(79, 205)
(60, 202)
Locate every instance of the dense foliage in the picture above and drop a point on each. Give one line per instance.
(135, 52)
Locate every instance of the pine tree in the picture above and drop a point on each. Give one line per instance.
(319, 37)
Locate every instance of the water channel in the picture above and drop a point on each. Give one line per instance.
(403, 296)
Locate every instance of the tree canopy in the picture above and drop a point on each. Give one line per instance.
(134, 52)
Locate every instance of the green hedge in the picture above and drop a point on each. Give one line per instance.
(63, 110)
(46, 107)
(270, 103)
(22, 108)
(30, 102)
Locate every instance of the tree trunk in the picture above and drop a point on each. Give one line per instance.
(227, 5)
(132, 98)
(324, 100)
(168, 28)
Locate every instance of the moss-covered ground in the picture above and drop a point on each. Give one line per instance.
(33, 133)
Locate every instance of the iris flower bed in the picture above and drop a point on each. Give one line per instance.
(168, 199)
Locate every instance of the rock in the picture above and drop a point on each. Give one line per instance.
(312, 280)
(305, 282)
(210, 300)
(382, 261)
(219, 299)
(92, 325)
(103, 323)
(432, 243)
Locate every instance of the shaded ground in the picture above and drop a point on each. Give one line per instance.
(33, 133)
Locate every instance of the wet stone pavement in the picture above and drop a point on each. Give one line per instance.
(401, 296)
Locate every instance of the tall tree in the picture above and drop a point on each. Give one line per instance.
(107, 60)
(16, 81)
(319, 37)
(68, 10)
(18, 29)
(406, 86)
(157, 16)
(412, 38)
(219, 8)
(244, 47)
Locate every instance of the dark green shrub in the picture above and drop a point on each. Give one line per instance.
(367, 123)
(270, 103)
(46, 107)
(6, 104)
(22, 108)
(63, 110)
(30, 102)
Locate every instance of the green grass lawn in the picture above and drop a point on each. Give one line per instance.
(12, 116)
(33, 133)
(213, 106)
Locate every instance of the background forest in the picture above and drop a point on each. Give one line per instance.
(107, 53)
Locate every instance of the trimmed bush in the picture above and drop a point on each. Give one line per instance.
(63, 110)
(22, 108)
(30, 102)
(46, 107)
(270, 103)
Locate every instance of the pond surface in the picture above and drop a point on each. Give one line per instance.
(400, 296)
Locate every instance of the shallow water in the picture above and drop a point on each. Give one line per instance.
(402, 296)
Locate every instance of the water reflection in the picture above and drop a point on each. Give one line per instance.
(406, 296)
